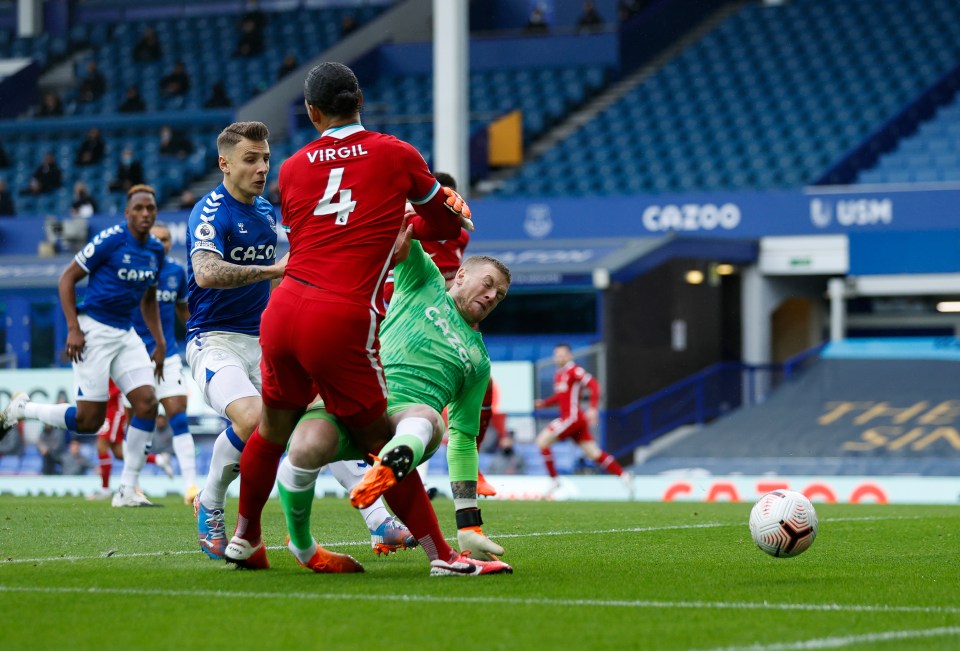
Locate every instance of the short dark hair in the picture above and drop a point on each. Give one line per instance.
(234, 133)
(477, 260)
(446, 180)
(333, 88)
(141, 187)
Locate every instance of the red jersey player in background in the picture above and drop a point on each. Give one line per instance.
(342, 198)
(568, 384)
(447, 255)
(110, 439)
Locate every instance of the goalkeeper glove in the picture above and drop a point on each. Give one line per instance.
(455, 204)
(481, 547)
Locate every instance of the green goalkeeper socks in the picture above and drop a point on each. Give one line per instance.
(412, 442)
(296, 509)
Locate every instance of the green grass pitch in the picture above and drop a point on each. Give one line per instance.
(81, 575)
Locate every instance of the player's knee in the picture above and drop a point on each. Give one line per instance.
(89, 422)
(245, 423)
(146, 406)
(313, 450)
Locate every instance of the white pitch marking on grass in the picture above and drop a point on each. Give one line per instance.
(563, 603)
(355, 543)
(848, 640)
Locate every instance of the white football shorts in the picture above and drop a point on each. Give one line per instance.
(110, 352)
(226, 367)
(172, 384)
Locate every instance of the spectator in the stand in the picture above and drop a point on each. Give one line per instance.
(50, 106)
(93, 85)
(289, 64)
(4, 157)
(75, 462)
(627, 8)
(51, 445)
(46, 178)
(133, 102)
(92, 149)
(83, 205)
(7, 207)
(148, 47)
(250, 43)
(218, 97)
(254, 15)
(176, 82)
(590, 20)
(174, 143)
(187, 200)
(348, 25)
(129, 172)
(537, 23)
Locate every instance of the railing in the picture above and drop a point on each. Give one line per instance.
(698, 399)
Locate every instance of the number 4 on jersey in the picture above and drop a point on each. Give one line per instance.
(344, 205)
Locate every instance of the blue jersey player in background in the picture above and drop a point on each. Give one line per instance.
(123, 264)
(171, 390)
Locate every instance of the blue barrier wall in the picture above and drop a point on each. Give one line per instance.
(897, 253)
(741, 215)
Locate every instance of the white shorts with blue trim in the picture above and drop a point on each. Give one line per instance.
(226, 367)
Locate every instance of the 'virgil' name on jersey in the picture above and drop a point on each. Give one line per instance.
(338, 153)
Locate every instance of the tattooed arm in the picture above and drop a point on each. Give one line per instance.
(464, 489)
(213, 272)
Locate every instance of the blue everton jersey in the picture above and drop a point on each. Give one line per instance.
(240, 233)
(121, 269)
(171, 289)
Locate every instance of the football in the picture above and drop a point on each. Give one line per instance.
(783, 523)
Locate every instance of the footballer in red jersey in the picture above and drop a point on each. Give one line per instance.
(446, 254)
(569, 382)
(342, 200)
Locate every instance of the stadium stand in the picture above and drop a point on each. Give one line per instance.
(932, 154)
(403, 105)
(767, 100)
(863, 408)
(110, 44)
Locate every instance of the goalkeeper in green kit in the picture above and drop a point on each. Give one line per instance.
(432, 359)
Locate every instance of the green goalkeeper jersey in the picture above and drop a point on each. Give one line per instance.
(430, 354)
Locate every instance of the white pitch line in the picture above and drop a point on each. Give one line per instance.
(848, 640)
(460, 599)
(357, 543)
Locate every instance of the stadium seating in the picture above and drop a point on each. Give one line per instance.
(769, 99)
(932, 154)
(403, 105)
(303, 33)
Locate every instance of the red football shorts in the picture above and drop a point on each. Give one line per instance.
(115, 423)
(571, 428)
(314, 342)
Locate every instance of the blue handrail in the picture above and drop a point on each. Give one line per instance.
(697, 399)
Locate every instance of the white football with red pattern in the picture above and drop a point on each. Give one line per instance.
(783, 523)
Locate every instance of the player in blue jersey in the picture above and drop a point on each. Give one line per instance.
(123, 263)
(171, 391)
(231, 248)
(231, 242)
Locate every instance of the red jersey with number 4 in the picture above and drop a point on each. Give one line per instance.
(568, 385)
(342, 198)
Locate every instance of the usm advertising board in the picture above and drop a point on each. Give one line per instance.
(733, 214)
